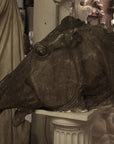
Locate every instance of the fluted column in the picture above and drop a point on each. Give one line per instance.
(70, 132)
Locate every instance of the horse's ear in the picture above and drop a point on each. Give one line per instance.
(73, 22)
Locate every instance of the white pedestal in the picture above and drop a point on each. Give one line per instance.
(70, 132)
(68, 127)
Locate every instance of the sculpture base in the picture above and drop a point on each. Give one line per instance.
(66, 127)
(70, 132)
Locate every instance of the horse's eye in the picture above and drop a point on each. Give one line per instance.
(41, 50)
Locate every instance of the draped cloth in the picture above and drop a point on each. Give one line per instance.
(11, 53)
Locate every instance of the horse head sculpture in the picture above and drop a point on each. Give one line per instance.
(71, 67)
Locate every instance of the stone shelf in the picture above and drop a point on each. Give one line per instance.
(82, 116)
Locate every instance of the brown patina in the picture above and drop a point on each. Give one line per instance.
(71, 67)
